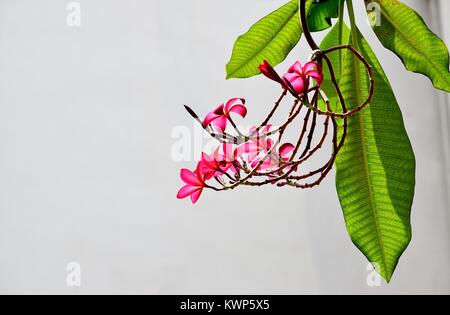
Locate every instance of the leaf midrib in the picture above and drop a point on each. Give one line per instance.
(357, 70)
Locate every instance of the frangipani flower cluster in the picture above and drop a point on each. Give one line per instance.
(262, 156)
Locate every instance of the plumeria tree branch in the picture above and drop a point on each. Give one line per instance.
(315, 128)
(255, 159)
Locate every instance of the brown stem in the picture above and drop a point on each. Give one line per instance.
(305, 27)
(311, 132)
(272, 112)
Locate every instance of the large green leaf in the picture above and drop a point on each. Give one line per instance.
(375, 176)
(322, 11)
(404, 32)
(272, 39)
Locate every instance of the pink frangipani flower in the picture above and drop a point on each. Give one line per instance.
(220, 116)
(297, 79)
(259, 144)
(195, 183)
(211, 165)
(218, 163)
(299, 76)
(272, 162)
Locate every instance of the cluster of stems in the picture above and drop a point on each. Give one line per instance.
(290, 171)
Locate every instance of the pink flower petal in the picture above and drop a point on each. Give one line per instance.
(239, 110)
(247, 148)
(186, 191)
(316, 75)
(220, 123)
(232, 102)
(189, 178)
(209, 159)
(296, 68)
(195, 196)
(285, 149)
(297, 82)
(209, 119)
(220, 111)
(253, 155)
(228, 152)
(255, 162)
(268, 144)
(268, 163)
(200, 175)
(310, 66)
(209, 166)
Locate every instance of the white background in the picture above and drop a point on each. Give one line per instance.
(87, 176)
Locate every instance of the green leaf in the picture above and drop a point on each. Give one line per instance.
(272, 38)
(322, 11)
(332, 40)
(375, 171)
(404, 32)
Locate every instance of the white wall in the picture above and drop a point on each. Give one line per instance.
(86, 173)
(439, 11)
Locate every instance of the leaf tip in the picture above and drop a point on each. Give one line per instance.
(229, 73)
